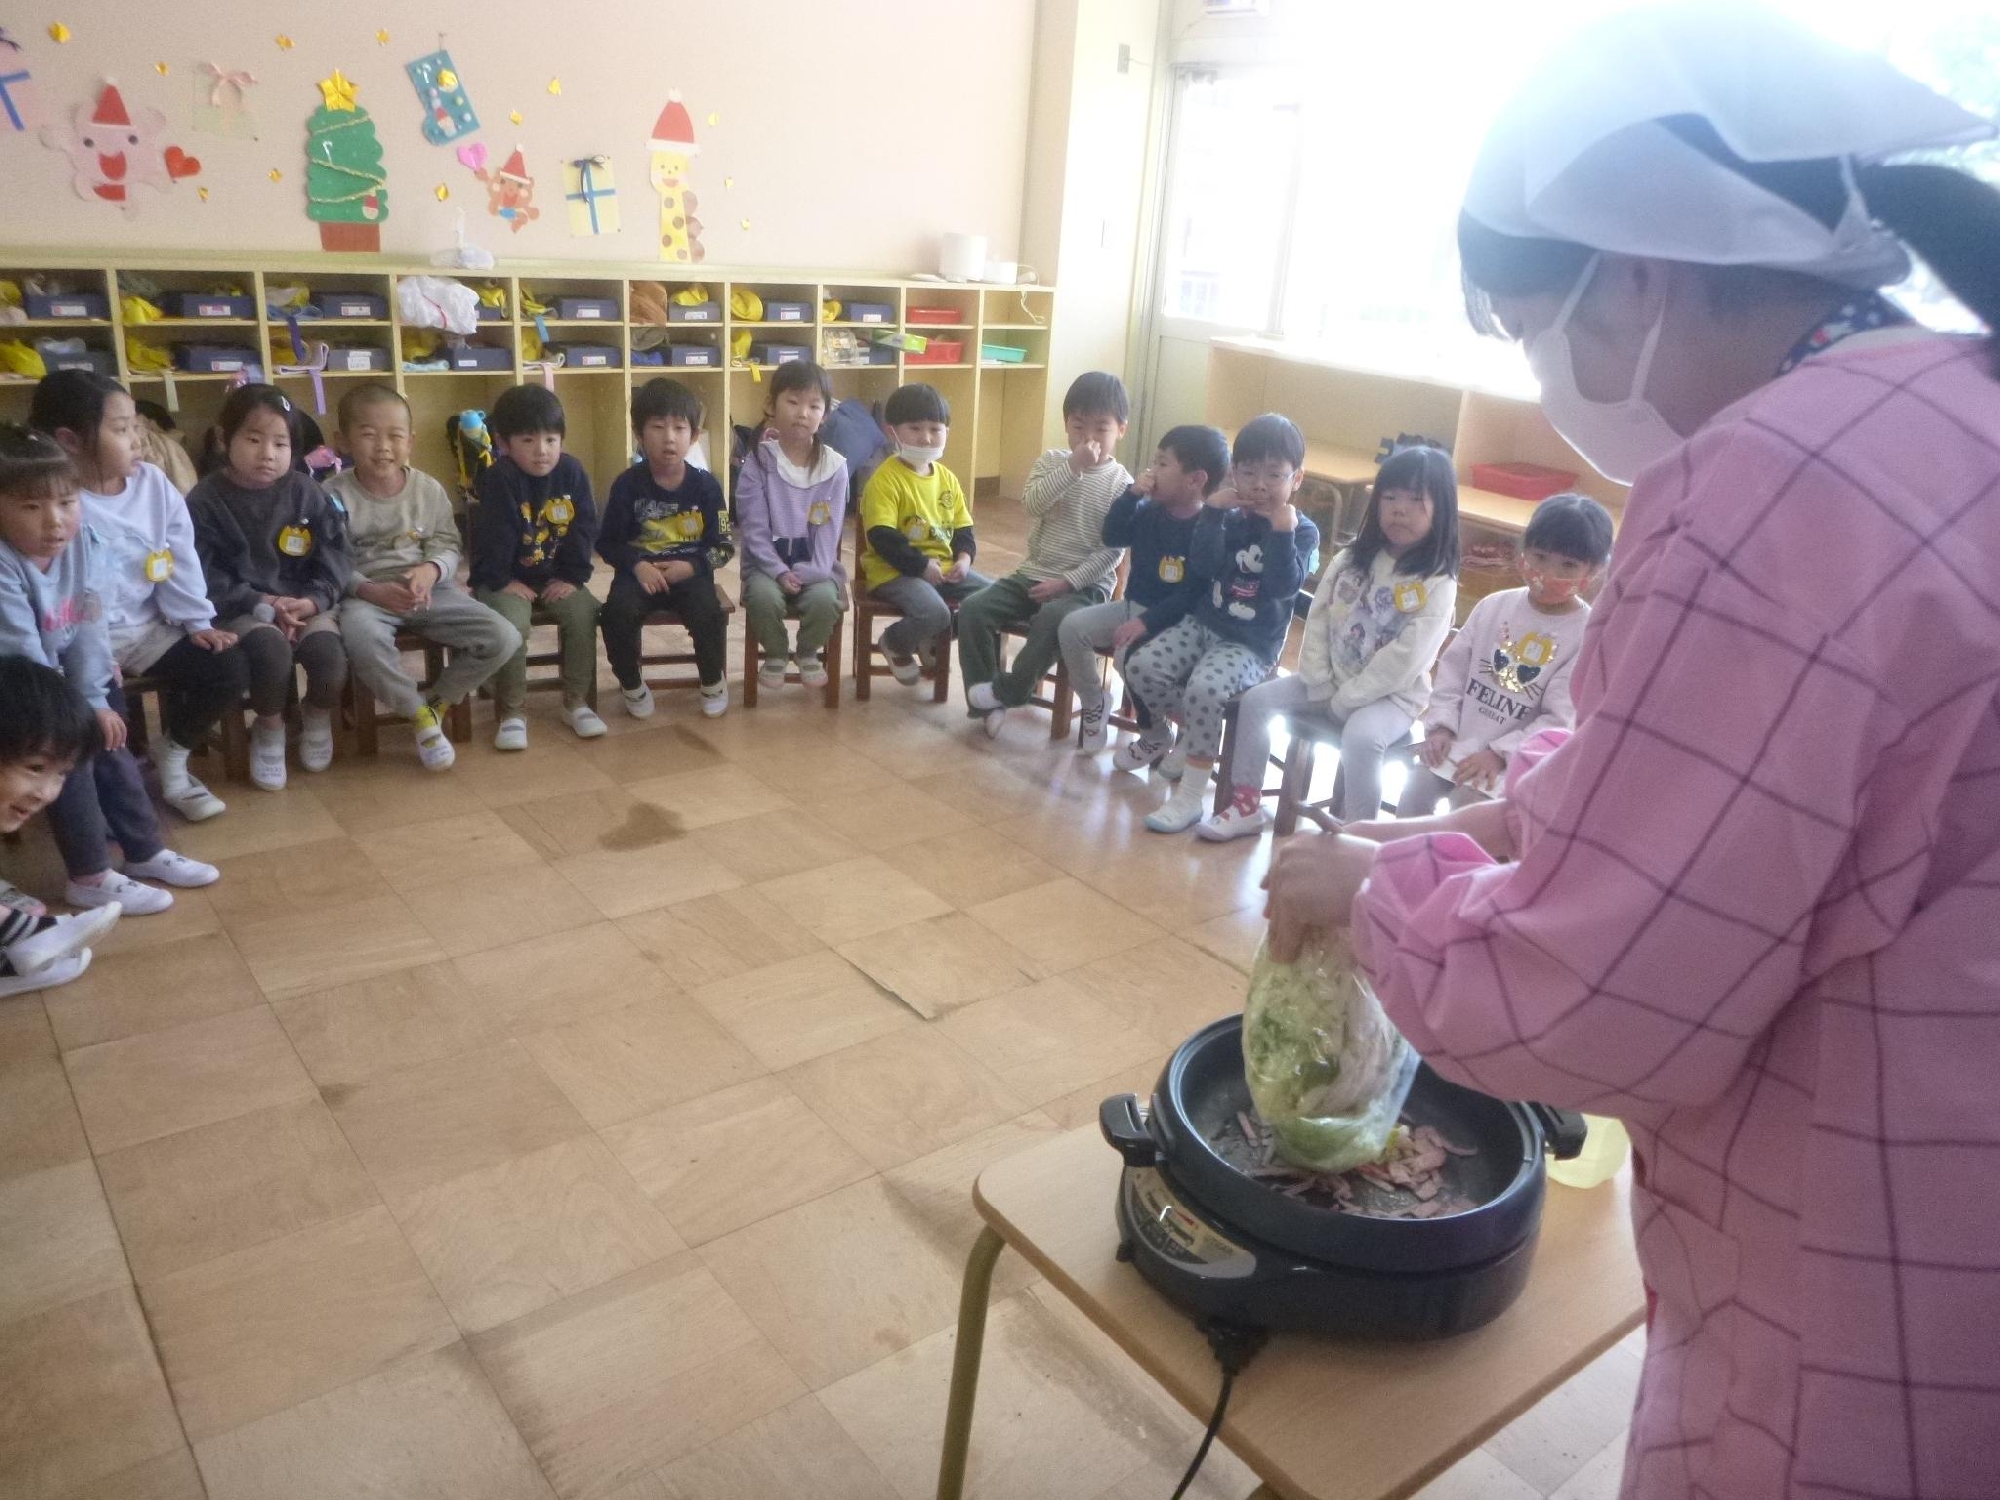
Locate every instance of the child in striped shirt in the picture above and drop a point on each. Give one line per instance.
(1068, 567)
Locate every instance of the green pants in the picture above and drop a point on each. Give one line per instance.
(576, 627)
(766, 606)
(1004, 604)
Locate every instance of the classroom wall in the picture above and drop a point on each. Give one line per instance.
(840, 136)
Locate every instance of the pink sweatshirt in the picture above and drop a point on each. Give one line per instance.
(1757, 916)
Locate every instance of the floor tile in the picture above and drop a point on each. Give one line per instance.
(57, 1241)
(797, 1450)
(701, 799)
(85, 1398)
(260, 1330)
(192, 915)
(390, 791)
(1062, 924)
(938, 1188)
(353, 1032)
(1080, 1106)
(257, 821)
(413, 857)
(297, 880)
(774, 844)
(811, 767)
(559, 978)
(913, 816)
(719, 936)
(986, 789)
(853, 899)
(616, 1382)
(200, 1071)
(1478, 1476)
(298, 955)
(971, 866)
(787, 1013)
(621, 881)
(1554, 1439)
(171, 1476)
(644, 1057)
(482, 910)
(903, 1095)
(1056, 1419)
(428, 1124)
(1599, 1479)
(659, 749)
(838, 1283)
(576, 822)
(1049, 1039)
(731, 1158)
(192, 1197)
(939, 965)
(556, 766)
(39, 1125)
(500, 1242)
(1167, 989)
(1232, 937)
(150, 989)
(428, 1426)
(1181, 882)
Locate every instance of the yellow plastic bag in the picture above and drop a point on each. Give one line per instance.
(17, 358)
(138, 310)
(746, 306)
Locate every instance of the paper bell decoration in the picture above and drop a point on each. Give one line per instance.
(592, 194)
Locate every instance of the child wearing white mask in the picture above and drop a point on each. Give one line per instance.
(918, 529)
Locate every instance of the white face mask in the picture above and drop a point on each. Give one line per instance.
(1619, 438)
(919, 458)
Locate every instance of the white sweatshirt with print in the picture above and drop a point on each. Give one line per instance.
(1506, 675)
(1374, 637)
(151, 579)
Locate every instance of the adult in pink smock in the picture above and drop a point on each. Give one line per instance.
(1752, 905)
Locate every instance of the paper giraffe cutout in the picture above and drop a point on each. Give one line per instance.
(671, 145)
(111, 149)
(448, 113)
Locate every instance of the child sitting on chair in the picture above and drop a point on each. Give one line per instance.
(1505, 677)
(666, 531)
(405, 542)
(1382, 609)
(1156, 519)
(791, 502)
(531, 536)
(1256, 550)
(1068, 566)
(917, 533)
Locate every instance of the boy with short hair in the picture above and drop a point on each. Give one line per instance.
(1068, 566)
(405, 543)
(1505, 675)
(666, 532)
(917, 531)
(1155, 518)
(531, 539)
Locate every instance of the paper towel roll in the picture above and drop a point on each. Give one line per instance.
(962, 257)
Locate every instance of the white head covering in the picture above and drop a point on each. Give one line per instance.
(1578, 154)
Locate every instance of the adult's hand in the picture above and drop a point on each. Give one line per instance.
(1485, 823)
(1312, 885)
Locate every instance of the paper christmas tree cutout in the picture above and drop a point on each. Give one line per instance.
(347, 191)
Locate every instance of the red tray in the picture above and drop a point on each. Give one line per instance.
(940, 352)
(918, 317)
(1522, 481)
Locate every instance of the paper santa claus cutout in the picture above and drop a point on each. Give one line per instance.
(112, 149)
(510, 192)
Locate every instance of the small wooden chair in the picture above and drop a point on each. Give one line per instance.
(680, 681)
(367, 717)
(867, 610)
(235, 739)
(753, 653)
(545, 667)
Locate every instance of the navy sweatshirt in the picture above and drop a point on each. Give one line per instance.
(530, 530)
(644, 522)
(1161, 577)
(1252, 577)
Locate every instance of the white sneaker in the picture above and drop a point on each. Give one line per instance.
(583, 719)
(68, 937)
(982, 697)
(1095, 733)
(115, 889)
(512, 733)
(184, 794)
(715, 699)
(434, 747)
(771, 672)
(60, 972)
(267, 757)
(638, 701)
(1234, 822)
(1183, 807)
(1147, 750)
(170, 868)
(316, 739)
(905, 669)
(812, 671)
(1175, 763)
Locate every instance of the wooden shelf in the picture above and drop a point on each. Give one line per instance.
(1010, 364)
(1013, 327)
(808, 323)
(181, 377)
(56, 323)
(180, 325)
(310, 323)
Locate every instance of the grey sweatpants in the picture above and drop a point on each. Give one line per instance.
(1192, 673)
(1082, 635)
(926, 615)
(1365, 735)
(477, 641)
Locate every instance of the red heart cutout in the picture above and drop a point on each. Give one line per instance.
(180, 164)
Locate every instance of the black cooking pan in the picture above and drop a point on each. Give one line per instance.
(1202, 1089)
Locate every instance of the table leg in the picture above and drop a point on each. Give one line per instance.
(972, 1302)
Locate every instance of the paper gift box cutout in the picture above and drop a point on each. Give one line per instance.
(592, 193)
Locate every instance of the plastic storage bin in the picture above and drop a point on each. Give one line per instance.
(356, 361)
(589, 356)
(920, 317)
(778, 354)
(694, 356)
(97, 361)
(210, 305)
(214, 359)
(66, 305)
(594, 309)
(1522, 481)
(787, 312)
(353, 305)
(694, 312)
(1002, 354)
(868, 312)
(938, 352)
(481, 357)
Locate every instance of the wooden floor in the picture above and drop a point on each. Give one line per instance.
(571, 1123)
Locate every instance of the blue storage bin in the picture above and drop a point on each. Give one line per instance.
(588, 356)
(868, 312)
(694, 356)
(214, 359)
(356, 361)
(353, 305)
(649, 356)
(66, 305)
(778, 354)
(697, 312)
(210, 305)
(787, 312)
(878, 355)
(481, 357)
(97, 361)
(596, 309)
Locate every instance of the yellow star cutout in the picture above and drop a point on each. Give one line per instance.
(442, 192)
(729, 182)
(555, 87)
(714, 118)
(382, 38)
(513, 117)
(276, 175)
(59, 33)
(202, 193)
(746, 223)
(338, 92)
(284, 42)
(160, 68)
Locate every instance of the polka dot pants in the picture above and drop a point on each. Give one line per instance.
(1190, 672)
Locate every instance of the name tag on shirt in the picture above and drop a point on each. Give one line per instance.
(1173, 569)
(159, 566)
(295, 541)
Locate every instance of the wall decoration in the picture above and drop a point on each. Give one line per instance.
(510, 192)
(448, 113)
(111, 149)
(555, 87)
(59, 33)
(382, 38)
(284, 42)
(592, 194)
(472, 157)
(513, 117)
(670, 146)
(162, 69)
(16, 96)
(347, 192)
(221, 101)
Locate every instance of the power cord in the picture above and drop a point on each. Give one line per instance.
(1234, 1346)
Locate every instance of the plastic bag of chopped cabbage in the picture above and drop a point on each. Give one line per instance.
(1327, 1070)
